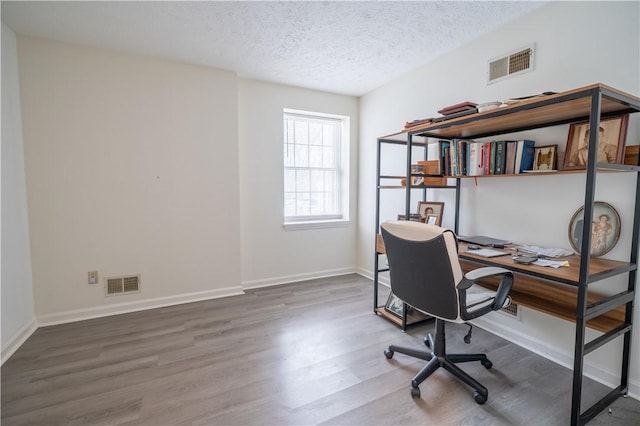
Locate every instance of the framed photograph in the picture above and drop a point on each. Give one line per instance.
(430, 212)
(416, 169)
(394, 305)
(544, 157)
(431, 219)
(605, 228)
(611, 140)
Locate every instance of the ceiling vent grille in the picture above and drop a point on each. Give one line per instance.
(517, 62)
(122, 285)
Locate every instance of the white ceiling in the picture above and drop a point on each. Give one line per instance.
(342, 47)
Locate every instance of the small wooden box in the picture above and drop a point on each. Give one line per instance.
(380, 244)
(432, 167)
(631, 155)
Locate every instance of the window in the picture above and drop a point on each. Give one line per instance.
(315, 169)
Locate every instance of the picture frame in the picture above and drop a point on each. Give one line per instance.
(605, 228)
(431, 219)
(417, 169)
(426, 209)
(394, 305)
(545, 158)
(613, 134)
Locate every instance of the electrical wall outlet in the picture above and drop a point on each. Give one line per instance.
(93, 277)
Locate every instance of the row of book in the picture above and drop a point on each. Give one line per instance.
(463, 157)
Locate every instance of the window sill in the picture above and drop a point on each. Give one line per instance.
(317, 224)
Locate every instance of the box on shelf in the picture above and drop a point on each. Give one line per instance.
(631, 155)
(432, 167)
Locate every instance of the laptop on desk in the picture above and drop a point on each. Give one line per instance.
(481, 240)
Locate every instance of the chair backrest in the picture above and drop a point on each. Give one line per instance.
(424, 266)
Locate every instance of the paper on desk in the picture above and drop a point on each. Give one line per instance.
(545, 252)
(551, 263)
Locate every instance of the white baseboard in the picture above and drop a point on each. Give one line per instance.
(123, 308)
(365, 273)
(18, 339)
(540, 347)
(269, 282)
(384, 280)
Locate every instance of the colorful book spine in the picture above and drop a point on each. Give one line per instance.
(501, 157)
(510, 167)
(475, 165)
(487, 158)
(526, 161)
(492, 160)
(443, 156)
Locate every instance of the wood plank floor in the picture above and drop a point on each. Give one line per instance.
(297, 354)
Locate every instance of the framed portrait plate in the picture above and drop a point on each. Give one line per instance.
(605, 228)
(431, 212)
(394, 305)
(544, 158)
(612, 136)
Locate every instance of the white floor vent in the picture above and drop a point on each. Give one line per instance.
(517, 62)
(122, 285)
(513, 310)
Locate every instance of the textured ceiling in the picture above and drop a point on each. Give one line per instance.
(341, 47)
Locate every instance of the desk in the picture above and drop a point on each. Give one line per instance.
(550, 290)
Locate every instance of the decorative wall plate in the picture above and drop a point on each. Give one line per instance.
(605, 228)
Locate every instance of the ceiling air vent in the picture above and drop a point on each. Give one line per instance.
(517, 62)
(122, 285)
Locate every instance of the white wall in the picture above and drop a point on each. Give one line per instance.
(131, 168)
(18, 318)
(573, 49)
(271, 255)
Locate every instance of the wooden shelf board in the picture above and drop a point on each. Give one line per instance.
(412, 317)
(414, 186)
(569, 275)
(551, 172)
(553, 299)
(532, 113)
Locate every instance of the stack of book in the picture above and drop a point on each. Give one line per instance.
(463, 157)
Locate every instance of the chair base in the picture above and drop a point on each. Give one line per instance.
(437, 358)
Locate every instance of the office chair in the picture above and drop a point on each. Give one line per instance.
(425, 273)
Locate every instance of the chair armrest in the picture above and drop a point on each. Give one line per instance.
(488, 271)
(501, 293)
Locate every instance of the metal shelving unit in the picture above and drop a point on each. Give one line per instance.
(587, 103)
(408, 318)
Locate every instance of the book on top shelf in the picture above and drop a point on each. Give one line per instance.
(510, 166)
(524, 155)
(462, 157)
(492, 159)
(487, 158)
(501, 157)
(475, 164)
(443, 156)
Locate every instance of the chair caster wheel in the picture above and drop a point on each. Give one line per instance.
(415, 392)
(487, 364)
(427, 343)
(388, 354)
(480, 399)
